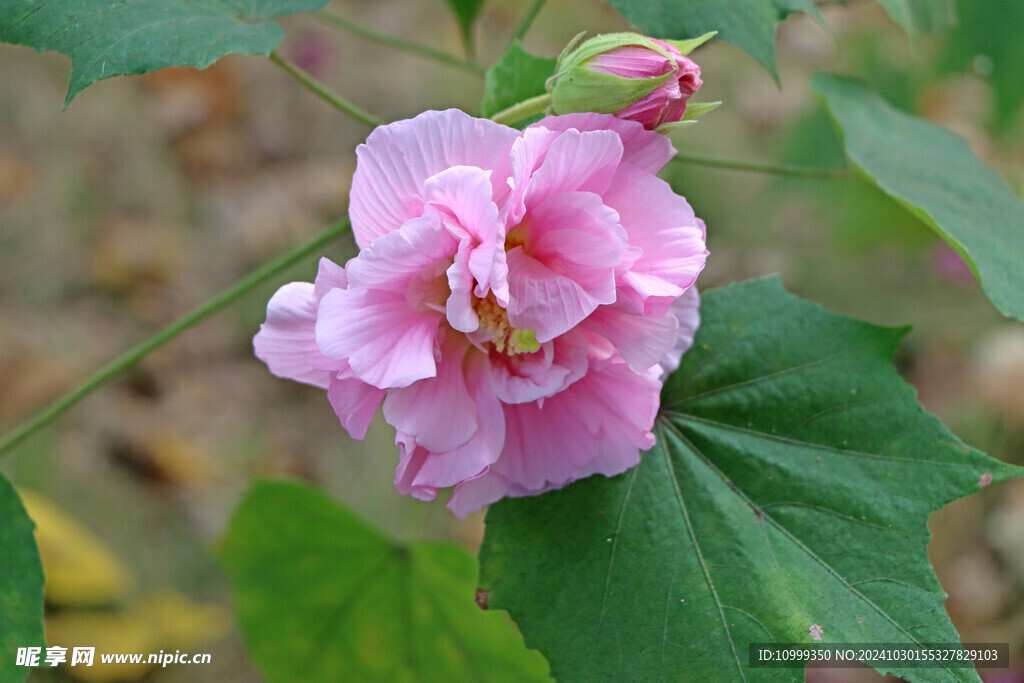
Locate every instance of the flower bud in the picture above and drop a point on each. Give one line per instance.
(629, 75)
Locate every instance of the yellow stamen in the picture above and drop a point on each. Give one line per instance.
(507, 339)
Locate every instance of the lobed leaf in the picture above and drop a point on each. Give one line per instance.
(322, 596)
(106, 38)
(21, 585)
(934, 174)
(789, 488)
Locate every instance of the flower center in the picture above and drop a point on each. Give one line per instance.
(507, 339)
(516, 237)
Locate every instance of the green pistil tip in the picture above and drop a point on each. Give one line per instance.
(525, 340)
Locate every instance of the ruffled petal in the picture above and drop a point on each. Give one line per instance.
(473, 494)
(459, 305)
(641, 341)
(662, 224)
(596, 426)
(386, 343)
(566, 266)
(462, 197)
(685, 309)
(398, 158)
(416, 410)
(642, 148)
(430, 470)
(576, 235)
(286, 342)
(355, 404)
(410, 460)
(575, 161)
(542, 300)
(393, 262)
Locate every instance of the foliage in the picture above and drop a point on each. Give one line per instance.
(934, 174)
(794, 471)
(323, 596)
(775, 499)
(517, 76)
(145, 35)
(21, 584)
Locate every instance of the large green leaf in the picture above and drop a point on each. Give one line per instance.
(322, 596)
(747, 24)
(106, 38)
(921, 16)
(517, 76)
(21, 585)
(934, 174)
(790, 486)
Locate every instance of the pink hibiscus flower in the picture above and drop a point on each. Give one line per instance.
(517, 300)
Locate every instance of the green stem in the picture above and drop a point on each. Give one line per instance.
(527, 21)
(523, 110)
(325, 93)
(132, 356)
(757, 167)
(398, 43)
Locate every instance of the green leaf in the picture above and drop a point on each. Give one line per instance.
(322, 596)
(934, 174)
(747, 24)
(921, 16)
(106, 38)
(21, 585)
(790, 486)
(466, 12)
(517, 76)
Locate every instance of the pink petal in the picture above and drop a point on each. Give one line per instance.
(329, 276)
(542, 300)
(575, 161)
(528, 377)
(567, 267)
(459, 305)
(576, 235)
(410, 461)
(355, 404)
(398, 158)
(286, 342)
(652, 109)
(643, 148)
(440, 469)
(643, 342)
(386, 343)
(596, 426)
(462, 195)
(662, 224)
(418, 410)
(631, 61)
(686, 309)
(392, 262)
(474, 494)
(527, 154)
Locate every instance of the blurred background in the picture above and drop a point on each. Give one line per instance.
(151, 193)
